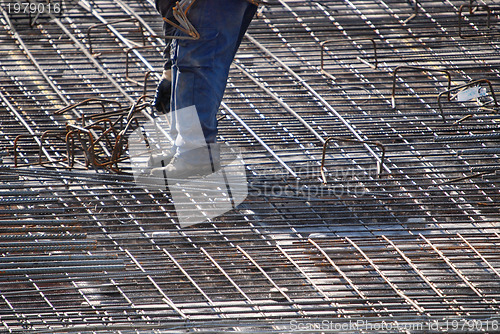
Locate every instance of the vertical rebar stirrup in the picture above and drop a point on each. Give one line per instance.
(380, 161)
(460, 87)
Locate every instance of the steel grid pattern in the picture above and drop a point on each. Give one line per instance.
(410, 236)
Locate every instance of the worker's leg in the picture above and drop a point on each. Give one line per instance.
(247, 19)
(201, 67)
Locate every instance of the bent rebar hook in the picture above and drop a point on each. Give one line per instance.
(180, 14)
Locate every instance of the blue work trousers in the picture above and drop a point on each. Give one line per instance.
(201, 67)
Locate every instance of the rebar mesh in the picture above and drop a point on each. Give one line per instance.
(405, 228)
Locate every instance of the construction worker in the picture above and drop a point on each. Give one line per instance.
(194, 81)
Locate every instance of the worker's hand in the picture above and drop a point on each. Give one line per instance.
(163, 91)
